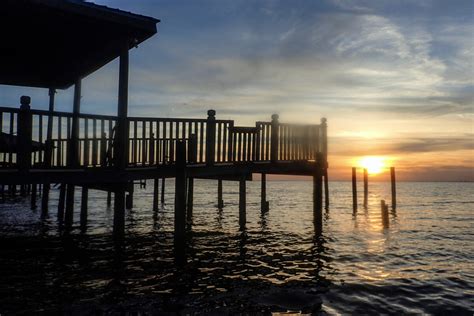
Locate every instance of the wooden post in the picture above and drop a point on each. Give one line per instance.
(84, 199)
(242, 202)
(384, 211)
(394, 189)
(163, 182)
(109, 198)
(211, 137)
(121, 141)
(264, 205)
(190, 199)
(318, 197)
(62, 196)
(275, 138)
(33, 196)
(48, 153)
(366, 187)
(220, 200)
(155, 194)
(354, 189)
(24, 134)
(324, 150)
(180, 201)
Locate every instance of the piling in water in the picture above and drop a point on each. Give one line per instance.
(394, 189)
(384, 211)
(366, 187)
(354, 189)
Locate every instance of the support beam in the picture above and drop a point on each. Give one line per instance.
(354, 189)
(326, 188)
(61, 199)
(109, 198)
(48, 153)
(190, 196)
(121, 142)
(394, 188)
(263, 194)
(84, 210)
(33, 195)
(180, 202)
(155, 194)
(73, 152)
(366, 187)
(318, 199)
(220, 200)
(242, 203)
(163, 183)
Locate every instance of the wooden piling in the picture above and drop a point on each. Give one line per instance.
(220, 201)
(366, 187)
(62, 196)
(318, 199)
(394, 189)
(109, 198)
(242, 202)
(180, 200)
(354, 189)
(264, 207)
(33, 196)
(190, 197)
(84, 210)
(163, 182)
(326, 188)
(155, 194)
(384, 211)
(48, 153)
(69, 215)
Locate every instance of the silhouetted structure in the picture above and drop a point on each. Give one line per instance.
(56, 44)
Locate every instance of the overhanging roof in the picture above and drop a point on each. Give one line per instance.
(52, 43)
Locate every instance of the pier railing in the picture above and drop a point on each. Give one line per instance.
(50, 141)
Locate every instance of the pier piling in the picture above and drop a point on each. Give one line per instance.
(318, 199)
(263, 194)
(61, 199)
(155, 194)
(84, 210)
(354, 189)
(180, 201)
(384, 211)
(33, 196)
(366, 187)
(394, 189)
(190, 196)
(163, 182)
(242, 202)
(220, 201)
(68, 216)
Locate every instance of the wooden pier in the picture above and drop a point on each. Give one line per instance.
(110, 152)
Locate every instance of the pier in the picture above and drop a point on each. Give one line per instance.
(41, 148)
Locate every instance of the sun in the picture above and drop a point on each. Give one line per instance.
(373, 164)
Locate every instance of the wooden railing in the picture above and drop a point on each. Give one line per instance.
(152, 141)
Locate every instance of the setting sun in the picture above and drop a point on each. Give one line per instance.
(373, 164)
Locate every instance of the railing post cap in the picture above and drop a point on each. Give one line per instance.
(323, 120)
(25, 102)
(275, 117)
(211, 113)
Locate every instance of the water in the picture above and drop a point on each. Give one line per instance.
(422, 264)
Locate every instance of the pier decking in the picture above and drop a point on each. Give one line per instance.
(102, 152)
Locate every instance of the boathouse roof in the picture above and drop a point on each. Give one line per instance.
(52, 43)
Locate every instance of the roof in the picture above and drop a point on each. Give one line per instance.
(52, 43)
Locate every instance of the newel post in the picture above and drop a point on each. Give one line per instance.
(24, 133)
(211, 137)
(274, 140)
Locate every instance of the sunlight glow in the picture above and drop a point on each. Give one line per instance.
(373, 164)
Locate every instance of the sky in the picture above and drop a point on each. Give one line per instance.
(393, 78)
